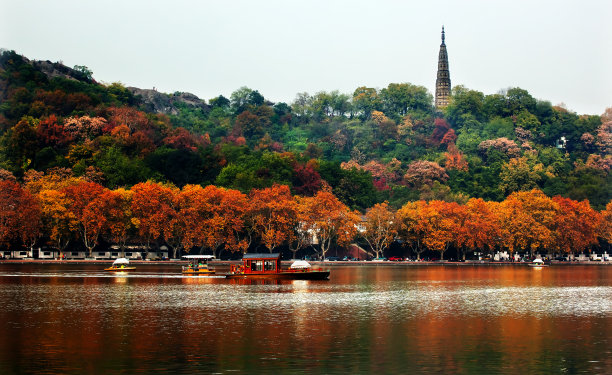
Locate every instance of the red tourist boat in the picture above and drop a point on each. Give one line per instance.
(268, 266)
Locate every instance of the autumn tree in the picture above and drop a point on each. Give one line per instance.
(20, 215)
(576, 225)
(84, 127)
(274, 213)
(118, 214)
(59, 222)
(152, 207)
(440, 225)
(302, 235)
(423, 173)
(213, 217)
(329, 220)
(411, 227)
(380, 229)
(527, 220)
(88, 207)
(478, 227)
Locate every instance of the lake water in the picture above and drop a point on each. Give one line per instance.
(58, 319)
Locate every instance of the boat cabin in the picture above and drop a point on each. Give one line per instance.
(261, 263)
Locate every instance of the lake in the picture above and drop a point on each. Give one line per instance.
(70, 318)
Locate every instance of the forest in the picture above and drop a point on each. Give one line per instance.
(90, 164)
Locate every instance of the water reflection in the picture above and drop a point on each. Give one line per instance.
(365, 320)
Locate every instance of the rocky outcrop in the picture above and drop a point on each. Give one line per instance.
(157, 102)
(52, 70)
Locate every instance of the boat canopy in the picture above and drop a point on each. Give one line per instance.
(121, 261)
(208, 257)
(538, 260)
(261, 256)
(300, 264)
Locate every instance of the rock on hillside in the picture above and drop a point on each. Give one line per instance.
(157, 102)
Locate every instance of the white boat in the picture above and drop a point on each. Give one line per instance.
(120, 265)
(538, 263)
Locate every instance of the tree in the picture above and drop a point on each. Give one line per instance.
(422, 173)
(88, 208)
(20, 215)
(59, 222)
(527, 220)
(84, 127)
(411, 225)
(380, 229)
(605, 228)
(366, 100)
(478, 227)
(520, 174)
(118, 213)
(440, 225)
(302, 235)
(152, 207)
(400, 98)
(273, 213)
(329, 220)
(213, 217)
(576, 225)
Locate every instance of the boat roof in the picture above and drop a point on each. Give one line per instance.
(199, 256)
(261, 256)
(121, 261)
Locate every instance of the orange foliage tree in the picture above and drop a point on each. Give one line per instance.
(410, 224)
(213, 217)
(527, 220)
(88, 207)
(273, 212)
(478, 226)
(20, 215)
(118, 212)
(380, 229)
(152, 209)
(576, 225)
(441, 225)
(329, 220)
(59, 222)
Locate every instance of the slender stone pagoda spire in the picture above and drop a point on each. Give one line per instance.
(443, 83)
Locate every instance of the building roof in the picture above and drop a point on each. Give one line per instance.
(261, 256)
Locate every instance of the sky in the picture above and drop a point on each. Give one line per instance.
(559, 51)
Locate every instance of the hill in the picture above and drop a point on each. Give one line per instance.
(368, 146)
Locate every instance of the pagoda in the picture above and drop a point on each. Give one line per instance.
(443, 83)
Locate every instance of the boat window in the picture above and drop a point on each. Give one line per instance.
(269, 265)
(23, 253)
(259, 265)
(47, 253)
(75, 254)
(128, 254)
(115, 254)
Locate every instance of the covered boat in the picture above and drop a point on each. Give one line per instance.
(268, 266)
(538, 263)
(198, 265)
(120, 265)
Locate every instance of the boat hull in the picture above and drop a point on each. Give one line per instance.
(113, 269)
(306, 275)
(207, 272)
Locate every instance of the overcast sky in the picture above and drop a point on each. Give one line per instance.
(559, 50)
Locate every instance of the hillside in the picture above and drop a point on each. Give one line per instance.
(368, 146)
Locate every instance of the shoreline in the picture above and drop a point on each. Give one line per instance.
(362, 263)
